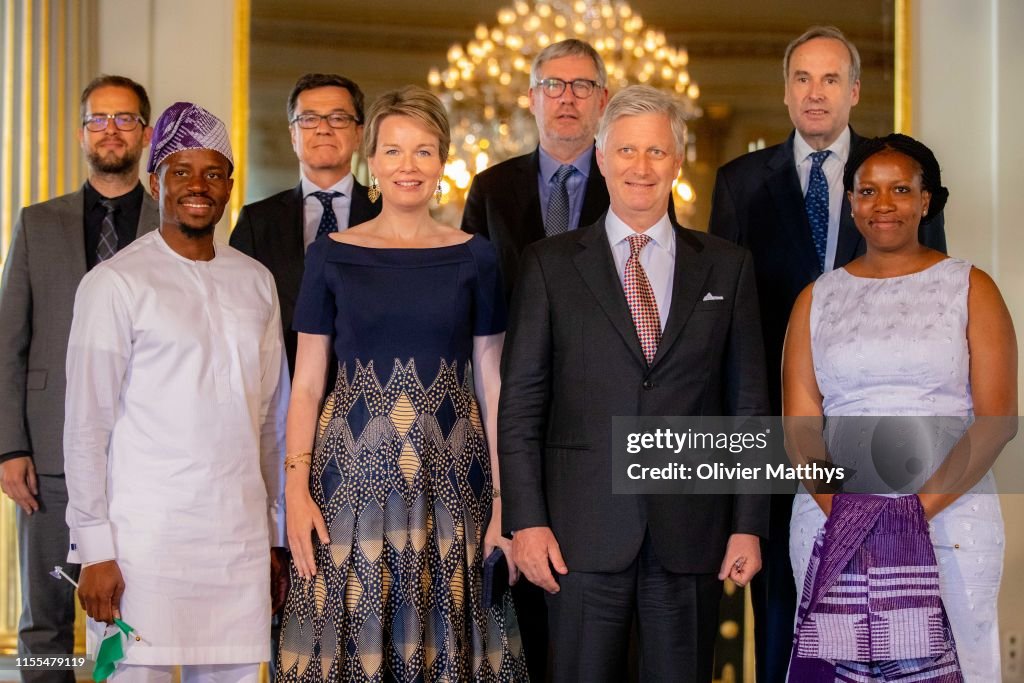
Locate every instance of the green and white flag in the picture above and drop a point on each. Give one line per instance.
(112, 649)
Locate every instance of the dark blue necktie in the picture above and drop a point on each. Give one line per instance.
(328, 221)
(558, 203)
(107, 245)
(816, 203)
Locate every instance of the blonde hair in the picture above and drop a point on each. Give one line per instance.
(414, 102)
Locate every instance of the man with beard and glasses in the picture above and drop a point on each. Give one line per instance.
(174, 437)
(54, 244)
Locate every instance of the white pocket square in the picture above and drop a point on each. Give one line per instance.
(711, 297)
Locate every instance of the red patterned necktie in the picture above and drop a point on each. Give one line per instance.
(640, 298)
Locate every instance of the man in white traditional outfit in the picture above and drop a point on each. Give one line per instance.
(177, 391)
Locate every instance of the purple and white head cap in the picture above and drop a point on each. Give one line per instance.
(184, 125)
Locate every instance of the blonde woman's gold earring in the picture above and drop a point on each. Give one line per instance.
(374, 190)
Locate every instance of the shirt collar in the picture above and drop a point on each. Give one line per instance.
(840, 147)
(661, 233)
(93, 197)
(548, 166)
(343, 186)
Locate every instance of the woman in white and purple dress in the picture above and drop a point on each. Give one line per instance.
(901, 333)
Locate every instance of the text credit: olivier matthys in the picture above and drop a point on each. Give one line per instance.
(734, 442)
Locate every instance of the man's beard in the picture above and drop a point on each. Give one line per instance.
(197, 233)
(111, 164)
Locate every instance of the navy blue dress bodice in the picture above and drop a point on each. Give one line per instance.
(383, 305)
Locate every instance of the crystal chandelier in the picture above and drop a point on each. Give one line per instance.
(485, 84)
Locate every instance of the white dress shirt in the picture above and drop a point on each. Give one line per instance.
(658, 258)
(313, 210)
(833, 169)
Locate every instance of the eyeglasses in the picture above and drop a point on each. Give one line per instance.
(554, 87)
(334, 120)
(123, 120)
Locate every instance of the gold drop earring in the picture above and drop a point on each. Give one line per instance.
(438, 193)
(373, 192)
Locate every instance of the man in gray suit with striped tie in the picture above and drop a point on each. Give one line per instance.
(54, 244)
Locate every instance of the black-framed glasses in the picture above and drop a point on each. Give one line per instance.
(123, 120)
(336, 119)
(554, 87)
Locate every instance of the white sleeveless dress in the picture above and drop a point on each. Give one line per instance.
(898, 347)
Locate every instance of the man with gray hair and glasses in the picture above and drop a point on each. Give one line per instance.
(557, 187)
(786, 204)
(630, 316)
(54, 244)
(553, 189)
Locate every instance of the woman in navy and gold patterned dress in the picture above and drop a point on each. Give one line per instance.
(389, 522)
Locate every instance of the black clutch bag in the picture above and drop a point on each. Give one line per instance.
(495, 578)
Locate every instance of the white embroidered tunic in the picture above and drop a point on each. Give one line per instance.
(173, 446)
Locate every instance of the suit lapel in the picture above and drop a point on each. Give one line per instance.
(849, 239)
(691, 272)
(294, 220)
(784, 186)
(290, 229)
(72, 221)
(361, 209)
(149, 216)
(595, 199)
(597, 268)
(526, 201)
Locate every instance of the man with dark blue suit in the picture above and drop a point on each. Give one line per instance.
(325, 119)
(786, 204)
(557, 187)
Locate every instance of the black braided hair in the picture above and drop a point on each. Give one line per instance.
(931, 177)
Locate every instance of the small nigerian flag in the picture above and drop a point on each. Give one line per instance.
(112, 649)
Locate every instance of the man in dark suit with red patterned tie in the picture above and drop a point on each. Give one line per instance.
(325, 119)
(630, 316)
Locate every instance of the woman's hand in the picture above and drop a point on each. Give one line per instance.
(303, 516)
(493, 539)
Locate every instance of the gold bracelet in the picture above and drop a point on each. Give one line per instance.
(291, 461)
(495, 493)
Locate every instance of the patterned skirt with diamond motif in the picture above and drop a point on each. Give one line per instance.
(402, 475)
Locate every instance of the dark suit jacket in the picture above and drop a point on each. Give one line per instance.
(43, 269)
(572, 361)
(503, 205)
(758, 203)
(271, 231)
